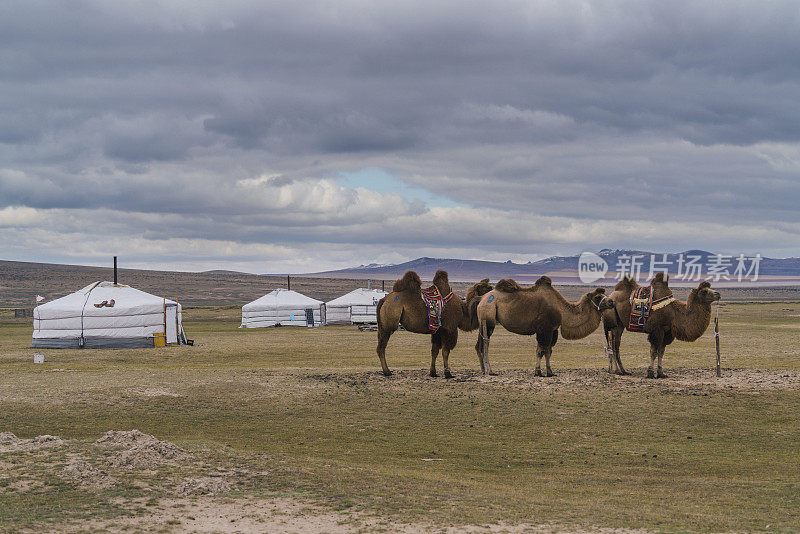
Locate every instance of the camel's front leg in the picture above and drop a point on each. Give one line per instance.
(485, 334)
(653, 355)
(548, 352)
(660, 373)
(436, 344)
(446, 362)
(616, 339)
(449, 343)
(540, 350)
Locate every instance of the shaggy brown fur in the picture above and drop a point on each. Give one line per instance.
(404, 306)
(539, 309)
(470, 309)
(410, 282)
(685, 321)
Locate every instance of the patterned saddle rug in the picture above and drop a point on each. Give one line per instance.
(642, 304)
(435, 301)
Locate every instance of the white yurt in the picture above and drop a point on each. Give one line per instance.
(107, 315)
(358, 306)
(283, 307)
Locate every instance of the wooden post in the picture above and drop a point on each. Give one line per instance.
(288, 282)
(716, 339)
(383, 286)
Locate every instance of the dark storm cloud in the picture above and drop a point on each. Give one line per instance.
(248, 112)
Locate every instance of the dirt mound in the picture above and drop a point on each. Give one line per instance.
(203, 486)
(9, 441)
(8, 438)
(47, 440)
(149, 455)
(125, 438)
(144, 451)
(84, 474)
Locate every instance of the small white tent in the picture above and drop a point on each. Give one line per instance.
(358, 306)
(106, 315)
(283, 307)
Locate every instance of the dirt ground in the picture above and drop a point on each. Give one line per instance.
(193, 504)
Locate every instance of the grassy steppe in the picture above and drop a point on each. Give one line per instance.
(305, 411)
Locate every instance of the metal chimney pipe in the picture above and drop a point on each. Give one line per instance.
(115, 270)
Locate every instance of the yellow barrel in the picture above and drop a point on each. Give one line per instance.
(159, 340)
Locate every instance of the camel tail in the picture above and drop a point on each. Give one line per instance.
(470, 320)
(378, 315)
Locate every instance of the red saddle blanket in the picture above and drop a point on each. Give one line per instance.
(642, 304)
(435, 301)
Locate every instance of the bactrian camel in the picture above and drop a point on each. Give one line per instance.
(539, 310)
(685, 321)
(404, 306)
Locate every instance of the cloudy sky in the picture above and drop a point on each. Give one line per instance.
(301, 136)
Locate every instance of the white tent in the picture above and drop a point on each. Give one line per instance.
(283, 307)
(358, 306)
(106, 315)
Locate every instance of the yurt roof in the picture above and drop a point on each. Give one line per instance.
(358, 296)
(282, 297)
(125, 297)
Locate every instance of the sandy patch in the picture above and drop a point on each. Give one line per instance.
(678, 379)
(287, 515)
(203, 486)
(125, 438)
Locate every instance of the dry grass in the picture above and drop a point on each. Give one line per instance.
(303, 414)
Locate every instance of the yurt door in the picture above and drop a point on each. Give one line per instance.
(309, 317)
(171, 320)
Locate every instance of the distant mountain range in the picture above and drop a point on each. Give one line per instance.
(564, 269)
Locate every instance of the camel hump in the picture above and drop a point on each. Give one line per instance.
(544, 280)
(625, 283)
(659, 277)
(441, 281)
(704, 284)
(409, 282)
(507, 285)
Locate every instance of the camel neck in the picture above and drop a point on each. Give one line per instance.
(580, 319)
(691, 318)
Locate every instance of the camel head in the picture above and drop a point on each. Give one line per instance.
(481, 288)
(705, 293)
(600, 300)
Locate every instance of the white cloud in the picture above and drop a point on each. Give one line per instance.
(554, 126)
(19, 216)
